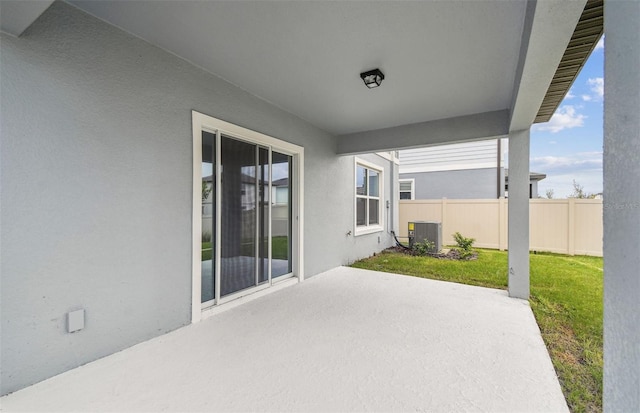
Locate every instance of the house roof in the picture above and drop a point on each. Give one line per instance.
(281, 182)
(454, 71)
(533, 176)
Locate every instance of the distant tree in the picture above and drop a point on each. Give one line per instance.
(206, 190)
(549, 193)
(579, 192)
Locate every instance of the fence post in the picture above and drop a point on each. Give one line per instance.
(571, 242)
(502, 225)
(444, 214)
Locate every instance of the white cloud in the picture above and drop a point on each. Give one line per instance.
(600, 44)
(565, 117)
(552, 142)
(597, 86)
(569, 94)
(585, 168)
(582, 161)
(586, 98)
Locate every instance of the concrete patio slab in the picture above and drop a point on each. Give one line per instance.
(344, 340)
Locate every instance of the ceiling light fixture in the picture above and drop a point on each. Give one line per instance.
(372, 78)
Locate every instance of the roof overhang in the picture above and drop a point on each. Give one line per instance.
(549, 26)
(583, 41)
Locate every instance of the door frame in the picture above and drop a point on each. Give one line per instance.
(210, 124)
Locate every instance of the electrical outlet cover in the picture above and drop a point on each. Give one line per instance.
(75, 321)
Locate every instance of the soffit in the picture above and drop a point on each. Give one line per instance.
(17, 15)
(440, 59)
(584, 39)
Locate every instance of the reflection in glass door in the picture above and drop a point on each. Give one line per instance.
(208, 216)
(263, 216)
(246, 216)
(281, 215)
(244, 223)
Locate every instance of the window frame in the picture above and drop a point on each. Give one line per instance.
(368, 228)
(413, 188)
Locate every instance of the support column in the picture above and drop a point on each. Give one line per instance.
(518, 224)
(622, 207)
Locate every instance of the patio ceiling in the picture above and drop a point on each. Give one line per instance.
(486, 65)
(439, 58)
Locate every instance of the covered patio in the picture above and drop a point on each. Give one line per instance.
(98, 102)
(345, 340)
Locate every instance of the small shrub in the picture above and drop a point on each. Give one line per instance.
(464, 245)
(206, 237)
(425, 247)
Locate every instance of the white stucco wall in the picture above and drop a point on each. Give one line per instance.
(96, 165)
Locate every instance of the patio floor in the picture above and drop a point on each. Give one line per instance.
(344, 340)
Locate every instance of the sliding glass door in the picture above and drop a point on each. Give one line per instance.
(246, 216)
(238, 223)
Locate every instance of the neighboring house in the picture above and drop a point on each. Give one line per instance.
(534, 178)
(280, 191)
(111, 111)
(279, 202)
(470, 170)
(248, 193)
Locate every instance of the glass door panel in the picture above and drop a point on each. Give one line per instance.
(208, 216)
(281, 212)
(263, 218)
(238, 216)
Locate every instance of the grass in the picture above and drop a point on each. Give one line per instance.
(279, 249)
(566, 299)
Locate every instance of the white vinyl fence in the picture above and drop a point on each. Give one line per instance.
(566, 226)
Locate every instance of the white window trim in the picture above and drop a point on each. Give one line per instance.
(368, 229)
(413, 188)
(202, 122)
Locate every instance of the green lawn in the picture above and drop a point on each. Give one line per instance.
(280, 248)
(566, 299)
(206, 251)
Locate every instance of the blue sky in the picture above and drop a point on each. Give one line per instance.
(569, 146)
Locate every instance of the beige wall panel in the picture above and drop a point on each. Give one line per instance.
(474, 218)
(549, 225)
(566, 226)
(423, 210)
(588, 227)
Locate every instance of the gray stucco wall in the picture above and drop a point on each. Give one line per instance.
(459, 184)
(621, 381)
(96, 164)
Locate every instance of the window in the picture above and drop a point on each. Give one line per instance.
(407, 188)
(368, 198)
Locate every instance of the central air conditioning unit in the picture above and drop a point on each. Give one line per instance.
(421, 230)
